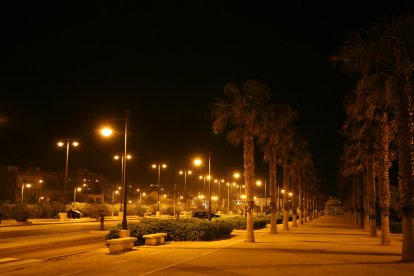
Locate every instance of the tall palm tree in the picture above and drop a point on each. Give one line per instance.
(241, 111)
(387, 52)
(279, 117)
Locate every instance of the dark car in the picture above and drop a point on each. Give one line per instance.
(204, 215)
(74, 214)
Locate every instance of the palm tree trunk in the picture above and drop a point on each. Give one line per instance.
(384, 164)
(405, 172)
(285, 198)
(248, 157)
(294, 207)
(366, 205)
(371, 198)
(300, 201)
(272, 180)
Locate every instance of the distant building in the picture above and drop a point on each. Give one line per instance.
(333, 206)
(34, 185)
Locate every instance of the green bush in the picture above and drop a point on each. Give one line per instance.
(21, 212)
(177, 230)
(239, 223)
(113, 233)
(95, 210)
(6, 211)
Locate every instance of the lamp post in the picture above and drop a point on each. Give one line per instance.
(116, 157)
(67, 142)
(219, 181)
(159, 166)
(28, 185)
(198, 162)
(228, 197)
(74, 193)
(185, 172)
(107, 132)
(259, 183)
(138, 190)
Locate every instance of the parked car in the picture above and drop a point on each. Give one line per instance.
(204, 215)
(74, 214)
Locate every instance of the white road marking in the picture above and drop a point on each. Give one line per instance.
(189, 259)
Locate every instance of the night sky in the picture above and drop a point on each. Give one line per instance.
(68, 66)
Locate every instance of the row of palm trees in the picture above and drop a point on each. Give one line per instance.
(249, 118)
(379, 127)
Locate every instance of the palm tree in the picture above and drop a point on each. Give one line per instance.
(241, 111)
(279, 117)
(386, 53)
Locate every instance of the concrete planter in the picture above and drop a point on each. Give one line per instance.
(63, 216)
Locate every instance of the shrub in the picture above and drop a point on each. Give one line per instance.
(177, 230)
(6, 211)
(21, 212)
(239, 223)
(95, 210)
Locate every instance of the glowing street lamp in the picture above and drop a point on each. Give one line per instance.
(259, 183)
(28, 185)
(117, 157)
(159, 166)
(74, 193)
(140, 194)
(107, 132)
(199, 162)
(67, 142)
(185, 172)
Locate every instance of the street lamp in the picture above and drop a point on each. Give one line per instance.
(74, 193)
(107, 132)
(228, 197)
(159, 166)
(201, 197)
(283, 199)
(28, 185)
(185, 172)
(219, 181)
(259, 183)
(138, 190)
(198, 162)
(67, 142)
(116, 157)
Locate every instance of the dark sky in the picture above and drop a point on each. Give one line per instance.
(67, 66)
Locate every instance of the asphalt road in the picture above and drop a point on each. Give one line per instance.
(48, 229)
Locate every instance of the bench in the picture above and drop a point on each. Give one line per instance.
(120, 244)
(154, 239)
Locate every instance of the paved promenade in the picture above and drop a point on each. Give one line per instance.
(326, 246)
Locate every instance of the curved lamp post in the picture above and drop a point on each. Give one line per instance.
(67, 142)
(28, 185)
(107, 132)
